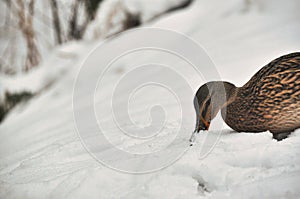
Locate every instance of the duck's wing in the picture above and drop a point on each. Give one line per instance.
(281, 72)
(277, 86)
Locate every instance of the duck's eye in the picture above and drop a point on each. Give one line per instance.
(206, 105)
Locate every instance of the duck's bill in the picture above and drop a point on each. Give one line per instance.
(193, 138)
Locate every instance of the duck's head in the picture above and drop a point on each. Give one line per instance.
(209, 100)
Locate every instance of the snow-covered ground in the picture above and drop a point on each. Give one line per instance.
(41, 154)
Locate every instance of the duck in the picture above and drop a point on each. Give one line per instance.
(269, 101)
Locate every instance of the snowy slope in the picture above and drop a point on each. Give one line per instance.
(41, 155)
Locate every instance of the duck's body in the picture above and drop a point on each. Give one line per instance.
(269, 101)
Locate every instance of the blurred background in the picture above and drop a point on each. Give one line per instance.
(30, 30)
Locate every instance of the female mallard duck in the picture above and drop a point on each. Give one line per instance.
(269, 101)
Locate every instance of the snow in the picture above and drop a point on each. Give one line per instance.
(41, 154)
(35, 81)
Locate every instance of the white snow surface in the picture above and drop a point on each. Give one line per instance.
(41, 155)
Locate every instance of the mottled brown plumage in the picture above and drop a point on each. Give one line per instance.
(269, 101)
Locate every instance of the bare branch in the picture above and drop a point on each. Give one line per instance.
(56, 21)
(26, 26)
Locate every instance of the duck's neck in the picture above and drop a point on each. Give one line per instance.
(231, 94)
(221, 94)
